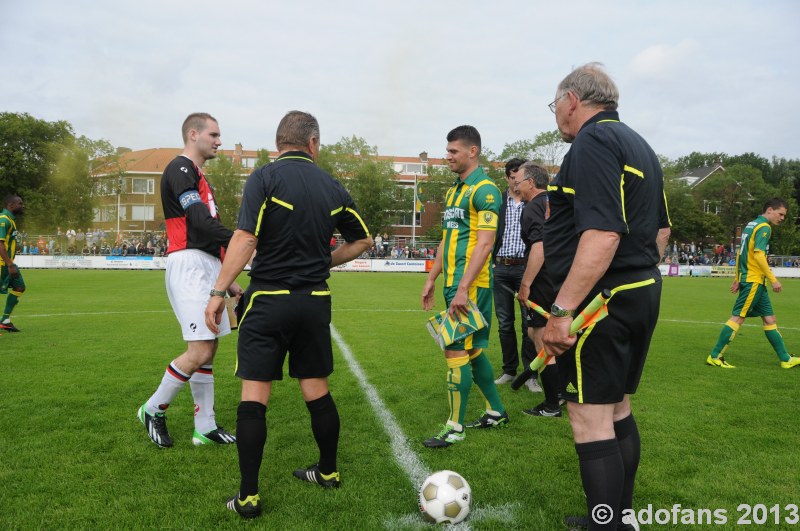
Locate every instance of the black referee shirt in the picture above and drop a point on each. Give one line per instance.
(532, 223)
(610, 180)
(293, 208)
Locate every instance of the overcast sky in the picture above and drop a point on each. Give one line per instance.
(693, 75)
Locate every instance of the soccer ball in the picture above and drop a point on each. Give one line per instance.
(444, 497)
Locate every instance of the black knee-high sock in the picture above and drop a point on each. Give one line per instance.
(251, 435)
(629, 446)
(550, 383)
(325, 426)
(602, 474)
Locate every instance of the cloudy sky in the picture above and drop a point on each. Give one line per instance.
(693, 75)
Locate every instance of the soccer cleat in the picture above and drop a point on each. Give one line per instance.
(719, 362)
(504, 379)
(543, 411)
(313, 475)
(9, 327)
(250, 507)
(533, 385)
(487, 420)
(156, 426)
(447, 436)
(218, 436)
(793, 362)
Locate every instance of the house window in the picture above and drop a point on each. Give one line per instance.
(142, 213)
(143, 186)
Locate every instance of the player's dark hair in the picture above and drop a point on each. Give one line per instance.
(467, 134)
(513, 165)
(537, 173)
(10, 198)
(296, 129)
(196, 121)
(775, 203)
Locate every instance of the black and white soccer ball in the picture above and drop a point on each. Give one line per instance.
(445, 497)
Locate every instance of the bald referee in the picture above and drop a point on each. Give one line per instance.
(290, 209)
(607, 229)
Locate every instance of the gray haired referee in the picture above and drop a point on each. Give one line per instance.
(290, 210)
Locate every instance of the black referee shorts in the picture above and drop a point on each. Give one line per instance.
(606, 362)
(278, 321)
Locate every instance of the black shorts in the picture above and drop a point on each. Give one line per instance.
(543, 293)
(277, 321)
(606, 362)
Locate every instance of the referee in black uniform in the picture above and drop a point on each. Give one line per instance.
(607, 229)
(290, 209)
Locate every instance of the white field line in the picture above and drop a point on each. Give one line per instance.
(406, 458)
(414, 468)
(22, 316)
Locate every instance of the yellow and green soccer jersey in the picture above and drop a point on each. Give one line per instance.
(470, 206)
(8, 233)
(755, 237)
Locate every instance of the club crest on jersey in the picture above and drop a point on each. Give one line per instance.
(487, 217)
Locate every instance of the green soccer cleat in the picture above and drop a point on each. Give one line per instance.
(313, 475)
(446, 437)
(487, 420)
(250, 507)
(719, 362)
(793, 362)
(218, 436)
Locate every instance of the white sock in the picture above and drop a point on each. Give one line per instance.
(202, 384)
(171, 384)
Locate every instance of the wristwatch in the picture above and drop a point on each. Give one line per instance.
(558, 311)
(217, 293)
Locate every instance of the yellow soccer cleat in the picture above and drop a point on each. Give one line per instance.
(721, 363)
(793, 361)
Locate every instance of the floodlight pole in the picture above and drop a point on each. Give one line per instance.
(414, 217)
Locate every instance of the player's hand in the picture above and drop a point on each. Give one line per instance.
(556, 337)
(214, 309)
(735, 286)
(428, 294)
(13, 270)
(524, 293)
(235, 290)
(777, 287)
(458, 306)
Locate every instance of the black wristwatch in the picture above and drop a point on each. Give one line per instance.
(558, 311)
(217, 293)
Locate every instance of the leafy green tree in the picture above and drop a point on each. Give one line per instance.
(786, 236)
(228, 182)
(698, 160)
(547, 148)
(262, 157)
(739, 193)
(689, 222)
(29, 151)
(369, 180)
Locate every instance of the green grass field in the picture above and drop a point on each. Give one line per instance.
(95, 344)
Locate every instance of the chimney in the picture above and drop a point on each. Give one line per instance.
(238, 150)
(423, 157)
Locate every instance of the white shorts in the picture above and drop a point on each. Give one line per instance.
(190, 276)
